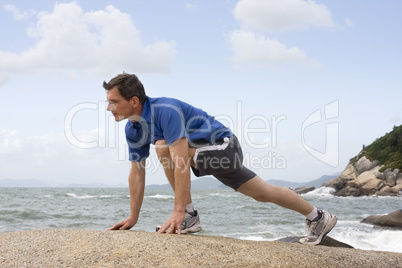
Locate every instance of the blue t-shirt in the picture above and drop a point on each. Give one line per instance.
(170, 119)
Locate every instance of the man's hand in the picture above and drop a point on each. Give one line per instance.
(127, 224)
(136, 184)
(173, 223)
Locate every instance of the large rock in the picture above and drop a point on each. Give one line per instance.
(91, 248)
(379, 193)
(385, 189)
(399, 179)
(388, 191)
(337, 183)
(326, 241)
(349, 173)
(374, 184)
(364, 164)
(348, 192)
(391, 176)
(380, 176)
(304, 189)
(393, 219)
(397, 189)
(365, 178)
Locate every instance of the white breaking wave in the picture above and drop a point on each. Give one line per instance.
(367, 238)
(322, 191)
(391, 240)
(87, 196)
(253, 238)
(160, 196)
(80, 196)
(221, 194)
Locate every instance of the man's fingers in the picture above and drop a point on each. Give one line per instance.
(116, 226)
(176, 227)
(171, 229)
(125, 227)
(172, 225)
(113, 228)
(163, 229)
(166, 228)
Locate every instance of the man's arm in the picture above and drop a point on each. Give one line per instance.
(136, 184)
(180, 157)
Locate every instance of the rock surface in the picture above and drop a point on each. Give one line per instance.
(393, 219)
(327, 241)
(304, 189)
(88, 248)
(364, 178)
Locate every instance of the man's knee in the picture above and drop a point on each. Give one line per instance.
(257, 189)
(162, 148)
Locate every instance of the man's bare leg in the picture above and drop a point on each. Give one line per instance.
(163, 152)
(191, 223)
(264, 192)
(319, 223)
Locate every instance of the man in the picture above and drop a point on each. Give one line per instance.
(187, 138)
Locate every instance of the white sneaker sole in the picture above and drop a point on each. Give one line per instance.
(193, 229)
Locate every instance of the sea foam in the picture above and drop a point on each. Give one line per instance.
(322, 191)
(160, 196)
(79, 196)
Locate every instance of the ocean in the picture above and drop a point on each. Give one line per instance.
(223, 212)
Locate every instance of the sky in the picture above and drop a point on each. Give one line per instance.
(303, 84)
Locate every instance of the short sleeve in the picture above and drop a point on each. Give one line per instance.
(138, 142)
(171, 121)
(138, 154)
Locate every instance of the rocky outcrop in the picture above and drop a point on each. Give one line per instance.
(393, 220)
(304, 189)
(326, 241)
(92, 248)
(364, 178)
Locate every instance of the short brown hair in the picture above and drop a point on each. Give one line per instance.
(128, 85)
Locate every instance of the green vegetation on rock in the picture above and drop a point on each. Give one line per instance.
(387, 150)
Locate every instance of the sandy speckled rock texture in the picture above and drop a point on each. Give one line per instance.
(94, 248)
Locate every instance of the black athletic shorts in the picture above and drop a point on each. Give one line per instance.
(223, 160)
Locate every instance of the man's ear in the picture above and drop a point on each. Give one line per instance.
(135, 101)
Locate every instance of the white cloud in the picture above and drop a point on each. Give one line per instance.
(17, 14)
(8, 142)
(50, 157)
(272, 16)
(190, 7)
(348, 22)
(257, 17)
(101, 42)
(255, 49)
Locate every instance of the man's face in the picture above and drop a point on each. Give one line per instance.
(119, 106)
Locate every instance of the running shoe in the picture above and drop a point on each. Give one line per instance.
(190, 224)
(318, 229)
